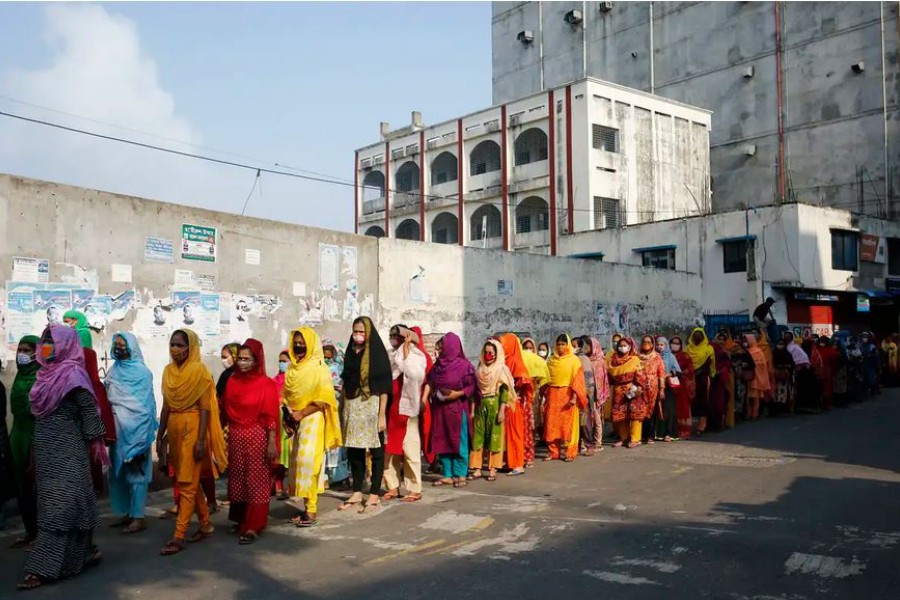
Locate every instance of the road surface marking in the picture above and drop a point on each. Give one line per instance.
(822, 566)
(662, 567)
(622, 578)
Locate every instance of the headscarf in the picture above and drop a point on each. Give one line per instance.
(729, 344)
(601, 377)
(184, 385)
(645, 356)
(782, 357)
(669, 360)
(82, 328)
(537, 367)
(222, 382)
(368, 372)
(308, 381)
(563, 367)
(491, 377)
(452, 370)
(614, 341)
(512, 349)
(279, 377)
(800, 357)
(420, 344)
(619, 360)
(129, 387)
(19, 402)
(252, 398)
(702, 352)
(65, 373)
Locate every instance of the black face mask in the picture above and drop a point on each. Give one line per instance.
(299, 351)
(119, 353)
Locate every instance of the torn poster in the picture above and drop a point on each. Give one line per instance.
(34, 270)
(329, 267)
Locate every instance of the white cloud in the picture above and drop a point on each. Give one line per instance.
(98, 70)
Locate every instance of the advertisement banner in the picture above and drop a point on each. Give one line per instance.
(198, 243)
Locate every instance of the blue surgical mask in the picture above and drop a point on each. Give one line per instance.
(283, 366)
(23, 359)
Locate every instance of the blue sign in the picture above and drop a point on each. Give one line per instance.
(159, 250)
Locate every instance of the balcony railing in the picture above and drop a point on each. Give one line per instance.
(373, 205)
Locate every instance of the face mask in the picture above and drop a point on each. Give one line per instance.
(647, 347)
(329, 361)
(47, 351)
(228, 362)
(23, 359)
(282, 366)
(299, 351)
(489, 358)
(542, 353)
(119, 354)
(675, 348)
(176, 353)
(395, 343)
(624, 349)
(359, 338)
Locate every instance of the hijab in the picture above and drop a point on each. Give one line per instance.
(252, 398)
(512, 349)
(645, 356)
(129, 387)
(60, 376)
(227, 373)
(702, 352)
(420, 344)
(368, 372)
(308, 381)
(81, 327)
(669, 360)
(491, 377)
(19, 402)
(624, 362)
(601, 378)
(279, 377)
(452, 370)
(563, 367)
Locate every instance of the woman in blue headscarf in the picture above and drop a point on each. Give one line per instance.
(129, 386)
(667, 426)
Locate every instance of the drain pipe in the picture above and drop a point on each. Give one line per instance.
(780, 102)
(652, 55)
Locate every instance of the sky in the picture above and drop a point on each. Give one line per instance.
(300, 85)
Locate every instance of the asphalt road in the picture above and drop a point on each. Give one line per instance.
(782, 509)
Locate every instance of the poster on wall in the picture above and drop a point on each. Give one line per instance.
(198, 243)
(872, 248)
(49, 307)
(185, 308)
(34, 270)
(862, 303)
(19, 310)
(208, 326)
(99, 310)
(329, 267)
(159, 250)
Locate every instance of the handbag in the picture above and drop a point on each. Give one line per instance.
(674, 382)
(287, 418)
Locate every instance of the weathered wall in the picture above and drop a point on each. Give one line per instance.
(457, 289)
(834, 119)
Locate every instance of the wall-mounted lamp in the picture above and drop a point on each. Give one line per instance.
(526, 37)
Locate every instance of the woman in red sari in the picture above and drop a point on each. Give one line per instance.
(654, 371)
(684, 395)
(627, 386)
(825, 361)
(252, 409)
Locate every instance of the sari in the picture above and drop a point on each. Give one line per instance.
(684, 395)
(495, 393)
(703, 359)
(518, 430)
(188, 389)
(721, 390)
(450, 433)
(540, 376)
(654, 370)
(21, 440)
(129, 387)
(566, 394)
(252, 413)
(68, 431)
(667, 423)
(627, 385)
(308, 382)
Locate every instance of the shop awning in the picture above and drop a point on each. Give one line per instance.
(740, 238)
(654, 248)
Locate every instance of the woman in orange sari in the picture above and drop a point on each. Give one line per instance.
(627, 385)
(252, 412)
(565, 390)
(191, 431)
(516, 431)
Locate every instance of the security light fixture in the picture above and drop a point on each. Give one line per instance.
(526, 37)
(574, 17)
(858, 67)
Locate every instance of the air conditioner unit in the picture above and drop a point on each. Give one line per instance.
(605, 7)
(574, 17)
(378, 160)
(365, 163)
(748, 150)
(433, 143)
(749, 72)
(526, 36)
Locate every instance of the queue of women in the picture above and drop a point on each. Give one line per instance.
(373, 419)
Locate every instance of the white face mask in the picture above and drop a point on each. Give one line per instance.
(24, 359)
(542, 353)
(624, 349)
(359, 338)
(228, 362)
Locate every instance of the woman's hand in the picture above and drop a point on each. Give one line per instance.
(382, 423)
(199, 450)
(501, 416)
(298, 415)
(271, 451)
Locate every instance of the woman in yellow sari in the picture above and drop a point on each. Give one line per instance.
(309, 395)
(191, 431)
(566, 393)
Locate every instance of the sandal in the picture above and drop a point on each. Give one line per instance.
(136, 526)
(633, 444)
(121, 522)
(306, 520)
(201, 534)
(169, 513)
(173, 546)
(549, 459)
(619, 444)
(248, 538)
(95, 559)
(444, 481)
(370, 505)
(568, 459)
(391, 494)
(461, 483)
(30, 582)
(348, 504)
(492, 475)
(588, 452)
(412, 497)
(516, 472)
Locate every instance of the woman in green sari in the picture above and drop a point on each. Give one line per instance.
(22, 436)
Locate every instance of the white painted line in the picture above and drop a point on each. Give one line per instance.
(452, 521)
(822, 566)
(662, 567)
(621, 578)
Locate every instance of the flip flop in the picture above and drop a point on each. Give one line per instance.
(373, 505)
(391, 494)
(515, 473)
(441, 482)
(30, 582)
(248, 538)
(200, 535)
(348, 505)
(412, 497)
(172, 547)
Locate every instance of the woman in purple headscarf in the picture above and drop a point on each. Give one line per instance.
(68, 432)
(450, 387)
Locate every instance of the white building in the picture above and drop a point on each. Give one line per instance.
(523, 175)
(825, 267)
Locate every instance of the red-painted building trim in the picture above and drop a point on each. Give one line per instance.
(356, 192)
(570, 200)
(459, 183)
(504, 188)
(551, 156)
(422, 185)
(387, 189)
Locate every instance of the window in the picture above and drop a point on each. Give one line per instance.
(844, 250)
(606, 213)
(735, 255)
(659, 259)
(893, 257)
(606, 138)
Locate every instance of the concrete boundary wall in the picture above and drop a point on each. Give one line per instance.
(123, 261)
